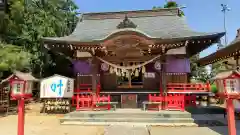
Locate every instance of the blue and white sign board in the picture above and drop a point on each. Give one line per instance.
(57, 86)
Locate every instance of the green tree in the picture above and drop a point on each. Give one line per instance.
(28, 21)
(170, 4)
(13, 58)
(198, 73)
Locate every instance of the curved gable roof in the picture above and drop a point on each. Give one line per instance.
(160, 24)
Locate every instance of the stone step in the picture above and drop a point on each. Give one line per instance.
(146, 120)
(128, 115)
(129, 123)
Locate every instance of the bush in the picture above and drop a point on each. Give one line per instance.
(214, 88)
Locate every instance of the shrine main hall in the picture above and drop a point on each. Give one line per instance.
(131, 53)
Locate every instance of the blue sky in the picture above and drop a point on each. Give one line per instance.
(202, 15)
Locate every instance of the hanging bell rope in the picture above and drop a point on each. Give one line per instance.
(129, 67)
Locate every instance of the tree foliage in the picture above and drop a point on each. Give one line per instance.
(29, 20)
(170, 4)
(13, 58)
(198, 73)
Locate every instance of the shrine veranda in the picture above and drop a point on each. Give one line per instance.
(129, 57)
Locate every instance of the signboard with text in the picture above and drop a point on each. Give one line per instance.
(57, 87)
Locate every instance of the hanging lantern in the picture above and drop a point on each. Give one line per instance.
(157, 65)
(104, 67)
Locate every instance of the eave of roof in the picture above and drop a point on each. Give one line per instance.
(231, 50)
(22, 76)
(225, 74)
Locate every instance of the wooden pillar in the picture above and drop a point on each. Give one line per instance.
(231, 117)
(77, 83)
(160, 79)
(130, 78)
(94, 72)
(164, 75)
(164, 81)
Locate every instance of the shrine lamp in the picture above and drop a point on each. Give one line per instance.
(228, 83)
(19, 89)
(21, 85)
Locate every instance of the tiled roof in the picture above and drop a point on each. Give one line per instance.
(225, 74)
(22, 76)
(160, 24)
(229, 51)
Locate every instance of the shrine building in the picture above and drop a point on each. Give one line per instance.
(132, 53)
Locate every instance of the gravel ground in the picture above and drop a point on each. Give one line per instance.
(45, 125)
(41, 124)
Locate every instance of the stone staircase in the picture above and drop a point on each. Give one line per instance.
(128, 116)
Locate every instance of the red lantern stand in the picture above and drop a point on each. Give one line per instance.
(230, 92)
(20, 92)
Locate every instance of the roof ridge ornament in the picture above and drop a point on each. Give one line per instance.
(126, 23)
(238, 33)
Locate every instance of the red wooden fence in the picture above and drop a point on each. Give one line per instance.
(99, 99)
(188, 87)
(84, 90)
(84, 99)
(174, 101)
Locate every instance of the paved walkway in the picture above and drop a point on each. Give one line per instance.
(221, 130)
(126, 130)
(156, 130)
(188, 131)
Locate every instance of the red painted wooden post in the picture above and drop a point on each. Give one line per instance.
(208, 86)
(21, 112)
(77, 101)
(109, 100)
(149, 97)
(183, 103)
(231, 117)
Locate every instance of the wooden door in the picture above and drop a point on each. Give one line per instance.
(151, 81)
(129, 100)
(108, 81)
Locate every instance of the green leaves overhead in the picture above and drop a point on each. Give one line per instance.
(13, 58)
(30, 20)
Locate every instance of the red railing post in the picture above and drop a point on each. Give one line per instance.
(208, 86)
(109, 106)
(77, 101)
